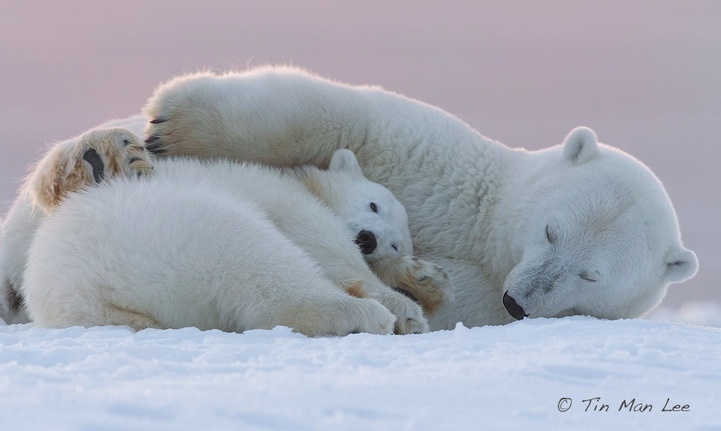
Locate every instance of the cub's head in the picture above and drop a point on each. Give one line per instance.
(378, 221)
(596, 235)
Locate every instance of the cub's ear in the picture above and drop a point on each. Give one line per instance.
(345, 161)
(681, 265)
(580, 146)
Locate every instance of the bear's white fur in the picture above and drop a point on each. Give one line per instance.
(18, 228)
(213, 244)
(579, 228)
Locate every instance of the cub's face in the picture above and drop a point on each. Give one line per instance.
(599, 238)
(378, 221)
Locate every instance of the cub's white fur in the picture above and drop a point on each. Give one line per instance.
(212, 244)
(18, 228)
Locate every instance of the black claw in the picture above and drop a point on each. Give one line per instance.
(152, 139)
(96, 162)
(157, 121)
(156, 148)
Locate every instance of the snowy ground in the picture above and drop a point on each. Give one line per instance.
(518, 376)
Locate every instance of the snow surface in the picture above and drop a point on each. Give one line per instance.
(516, 376)
(694, 312)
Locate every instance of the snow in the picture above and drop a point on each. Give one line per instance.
(694, 312)
(506, 377)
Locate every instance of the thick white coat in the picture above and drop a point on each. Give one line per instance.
(20, 224)
(215, 245)
(578, 228)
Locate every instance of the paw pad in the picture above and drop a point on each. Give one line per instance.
(96, 162)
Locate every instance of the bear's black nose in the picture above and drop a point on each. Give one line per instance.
(366, 241)
(513, 308)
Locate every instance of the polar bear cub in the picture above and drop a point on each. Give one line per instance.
(216, 244)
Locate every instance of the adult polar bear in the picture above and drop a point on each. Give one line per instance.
(580, 228)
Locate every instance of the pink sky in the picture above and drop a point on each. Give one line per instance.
(645, 75)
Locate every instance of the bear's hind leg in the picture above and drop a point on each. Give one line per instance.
(278, 283)
(84, 311)
(335, 313)
(97, 155)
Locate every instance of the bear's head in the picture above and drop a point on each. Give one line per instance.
(377, 219)
(594, 234)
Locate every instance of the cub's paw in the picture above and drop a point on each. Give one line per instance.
(340, 317)
(368, 316)
(94, 157)
(113, 152)
(424, 281)
(409, 315)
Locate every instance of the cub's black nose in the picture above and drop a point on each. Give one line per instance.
(366, 241)
(513, 308)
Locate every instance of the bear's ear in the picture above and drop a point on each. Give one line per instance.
(580, 146)
(681, 265)
(345, 161)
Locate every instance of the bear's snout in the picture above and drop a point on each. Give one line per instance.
(513, 308)
(366, 240)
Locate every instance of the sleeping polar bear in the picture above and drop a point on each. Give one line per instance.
(579, 228)
(217, 245)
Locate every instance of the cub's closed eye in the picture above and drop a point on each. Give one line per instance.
(550, 234)
(585, 275)
(374, 207)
